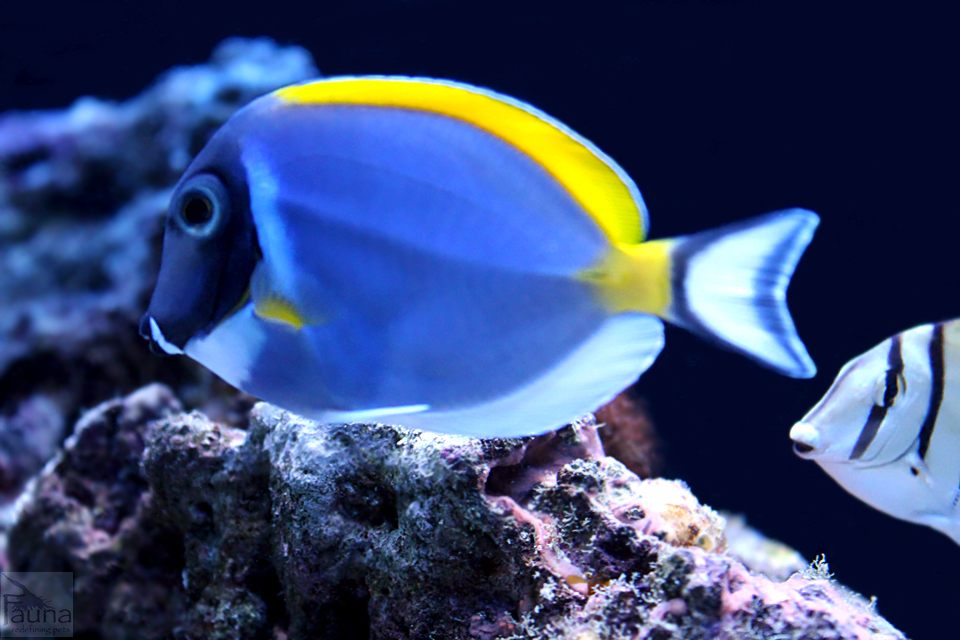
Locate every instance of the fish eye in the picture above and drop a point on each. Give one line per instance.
(197, 211)
(200, 206)
(889, 388)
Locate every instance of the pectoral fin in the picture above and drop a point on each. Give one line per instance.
(269, 304)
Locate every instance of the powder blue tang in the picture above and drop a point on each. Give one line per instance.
(447, 258)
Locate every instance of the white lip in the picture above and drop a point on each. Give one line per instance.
(803, 433)
(157, 336)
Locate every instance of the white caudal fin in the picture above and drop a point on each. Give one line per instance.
(729, 286)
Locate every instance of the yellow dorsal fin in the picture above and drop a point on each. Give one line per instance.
(594, 180)
(634, 278)
(277, 309)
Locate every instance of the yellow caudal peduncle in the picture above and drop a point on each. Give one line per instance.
(633, 278)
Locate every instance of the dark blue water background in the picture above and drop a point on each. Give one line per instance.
(719, 110)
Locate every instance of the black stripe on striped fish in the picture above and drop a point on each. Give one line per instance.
(936, 388)
(879, 412)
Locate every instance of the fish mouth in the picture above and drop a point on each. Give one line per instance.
(806, 439)
(159, 345)
(802, 448)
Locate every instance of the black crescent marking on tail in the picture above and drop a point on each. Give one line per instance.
(768, 308)
(879, 412)
(936, 389)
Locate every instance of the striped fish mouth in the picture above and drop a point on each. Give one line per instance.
(802, 448)
(806, 439)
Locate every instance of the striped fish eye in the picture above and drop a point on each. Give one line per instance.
(890, 387)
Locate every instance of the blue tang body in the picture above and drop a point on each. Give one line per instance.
(447, 258)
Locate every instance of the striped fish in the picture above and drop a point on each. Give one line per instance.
(888, 429)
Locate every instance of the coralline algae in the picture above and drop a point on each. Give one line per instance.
(177, 525)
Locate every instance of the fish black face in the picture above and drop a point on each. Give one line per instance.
(209, 251)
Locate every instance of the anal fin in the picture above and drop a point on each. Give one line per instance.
(605, 364)
(381, 414)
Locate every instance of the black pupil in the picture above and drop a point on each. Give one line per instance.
(197, 211)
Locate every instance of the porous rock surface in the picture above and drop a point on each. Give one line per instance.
(83, 193)
(177, 526)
